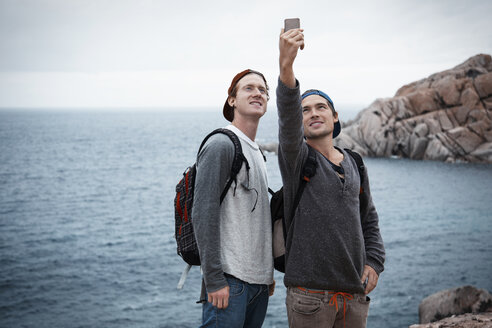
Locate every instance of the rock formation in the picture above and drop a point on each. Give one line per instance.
(455, 301)
(445, 117)
(271, 147)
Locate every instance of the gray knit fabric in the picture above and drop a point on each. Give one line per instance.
(328, 244)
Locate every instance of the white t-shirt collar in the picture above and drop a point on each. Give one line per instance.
(241, 135)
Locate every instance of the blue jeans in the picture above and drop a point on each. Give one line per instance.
(247, 306)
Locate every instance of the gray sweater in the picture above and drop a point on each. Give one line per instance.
(330, 240)
(235, 237)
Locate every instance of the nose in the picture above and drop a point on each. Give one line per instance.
(314, 112)
(256, 92)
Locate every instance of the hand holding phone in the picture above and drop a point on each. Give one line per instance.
(289, 43)
(292, 23)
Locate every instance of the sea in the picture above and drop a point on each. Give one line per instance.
(87, 221)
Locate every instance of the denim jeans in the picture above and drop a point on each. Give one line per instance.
(247, 306)
(326, 309)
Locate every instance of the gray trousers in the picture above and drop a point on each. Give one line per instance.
(326, 309)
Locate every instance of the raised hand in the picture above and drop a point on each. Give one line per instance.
(289, 44)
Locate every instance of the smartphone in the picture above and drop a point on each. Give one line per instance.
(291, 23)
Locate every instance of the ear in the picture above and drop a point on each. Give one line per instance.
(335, 117)
(231, 101)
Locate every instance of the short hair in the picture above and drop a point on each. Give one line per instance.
(323, 95)
(234, 90)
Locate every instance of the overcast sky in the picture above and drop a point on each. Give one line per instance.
(142, 53)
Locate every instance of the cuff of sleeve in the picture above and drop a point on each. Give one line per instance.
(286, 89)
(215, 285)
(376, 265)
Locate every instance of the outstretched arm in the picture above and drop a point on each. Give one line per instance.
(292, 148)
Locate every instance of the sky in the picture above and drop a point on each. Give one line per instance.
(183, 54)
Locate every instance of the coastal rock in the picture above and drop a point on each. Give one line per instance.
(484, 151)
(436, 151)
(271, 147)
(421, 130)
(446, 117)
(483, 84)
(481, 320)
(455, 301)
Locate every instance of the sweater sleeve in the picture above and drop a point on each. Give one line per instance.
(213, 171)
(291, 134)
(292, 148)
(375, 252)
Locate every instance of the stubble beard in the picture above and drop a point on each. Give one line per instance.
(317, 135)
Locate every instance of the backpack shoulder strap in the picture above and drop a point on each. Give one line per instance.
(308, 171)
(238, 160)
(360, 165)
(309, 168)
(262, 154)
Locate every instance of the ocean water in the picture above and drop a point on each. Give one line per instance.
(86, 222)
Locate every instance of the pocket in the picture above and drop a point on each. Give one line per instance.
(304, 304)
(364, 299)
(236, 286)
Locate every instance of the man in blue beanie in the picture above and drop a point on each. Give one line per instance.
(334, 250)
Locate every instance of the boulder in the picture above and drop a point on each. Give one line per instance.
(436, 151)
(488, 103)
(481, 320)
(421, 130)
(480, 127)
(461, 114)
(433, 125)
(466, 139)
(470, 98)
(454, 301)
(269, 147)
(483, 84)
(484, 152)
(423, 101)
(418, 146)
(477, 115)
(448, 89)
(401, 107)
(445, 122)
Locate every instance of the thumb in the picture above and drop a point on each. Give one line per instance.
(364, 275)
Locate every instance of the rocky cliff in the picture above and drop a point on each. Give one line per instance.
(445, 117)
